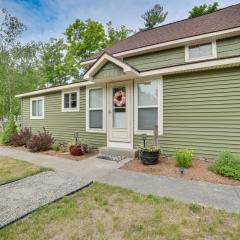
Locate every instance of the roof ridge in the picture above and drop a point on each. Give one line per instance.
(182, 20)
(188, 19)
(213, 20)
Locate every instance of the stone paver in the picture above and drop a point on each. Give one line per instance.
(207, 194)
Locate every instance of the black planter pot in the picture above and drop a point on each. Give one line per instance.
(149, 157)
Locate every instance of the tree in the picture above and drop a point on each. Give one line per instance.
(18, 64)
(203, 9)
(84, 38)
(10, 28)
(54, 68)
(115, 35)
(154, 17)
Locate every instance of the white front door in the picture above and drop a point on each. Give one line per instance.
(120, 114)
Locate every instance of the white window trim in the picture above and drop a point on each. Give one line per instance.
(96, 130)
(43, 108)
(77, 109)
(214, 52)
(160, 108)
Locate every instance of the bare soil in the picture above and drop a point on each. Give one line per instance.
(167, 167)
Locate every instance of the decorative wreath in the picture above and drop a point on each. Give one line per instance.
(119, 99)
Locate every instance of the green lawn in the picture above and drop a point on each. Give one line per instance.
(12, 169)
(105, 212)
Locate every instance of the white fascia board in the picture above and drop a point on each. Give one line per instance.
(165, 45)
(54, 89)
(104, 59)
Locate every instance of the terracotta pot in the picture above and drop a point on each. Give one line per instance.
(75, 150)
(149, 157)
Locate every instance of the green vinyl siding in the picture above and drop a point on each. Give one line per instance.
(158, 59)
(62, 124)
(201, 112)
(166, 58)
(108, 70)
(228, 47)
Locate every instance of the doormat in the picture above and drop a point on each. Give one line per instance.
(111, 157)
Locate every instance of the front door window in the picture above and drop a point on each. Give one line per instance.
(119, 107)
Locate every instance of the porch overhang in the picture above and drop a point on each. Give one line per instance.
(128, 71)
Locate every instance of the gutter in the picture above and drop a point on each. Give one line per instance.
(55, 89)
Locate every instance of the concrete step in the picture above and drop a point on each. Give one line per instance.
(125, 152)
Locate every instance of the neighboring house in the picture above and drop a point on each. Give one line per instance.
(183, 77)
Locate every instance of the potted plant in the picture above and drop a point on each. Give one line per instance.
(149, 155)
(75, 149)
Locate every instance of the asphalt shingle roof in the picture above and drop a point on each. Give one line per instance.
(222, 19)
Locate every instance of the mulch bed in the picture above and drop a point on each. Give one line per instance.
(65, 155)
(167, 167)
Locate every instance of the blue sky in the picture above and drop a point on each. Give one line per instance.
(49, 18)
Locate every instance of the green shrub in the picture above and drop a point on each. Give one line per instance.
(1, 134)
(184, 158)
(56, 147)
(9, 130)
(227, 164)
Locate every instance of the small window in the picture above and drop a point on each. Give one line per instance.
(70, 101)
(95, 109)
(147, 105)
(201, 52)
(37, 108)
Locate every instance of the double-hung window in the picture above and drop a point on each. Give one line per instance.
(148, 105)
(70, 101)
(95, 109)
(37, 108)
(200, 52)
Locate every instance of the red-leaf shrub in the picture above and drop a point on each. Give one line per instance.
(21, 138)
(40, 142)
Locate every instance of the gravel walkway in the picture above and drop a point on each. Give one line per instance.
(20, 198)
(207, 194)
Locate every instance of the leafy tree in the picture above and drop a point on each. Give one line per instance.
(18, 64)
(27, 67)
(84, 38)
(116, 34)
(10, 28)
(54, 65)
(203, 9)
(154, 17)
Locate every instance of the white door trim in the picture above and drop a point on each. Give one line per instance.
(109, 102)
